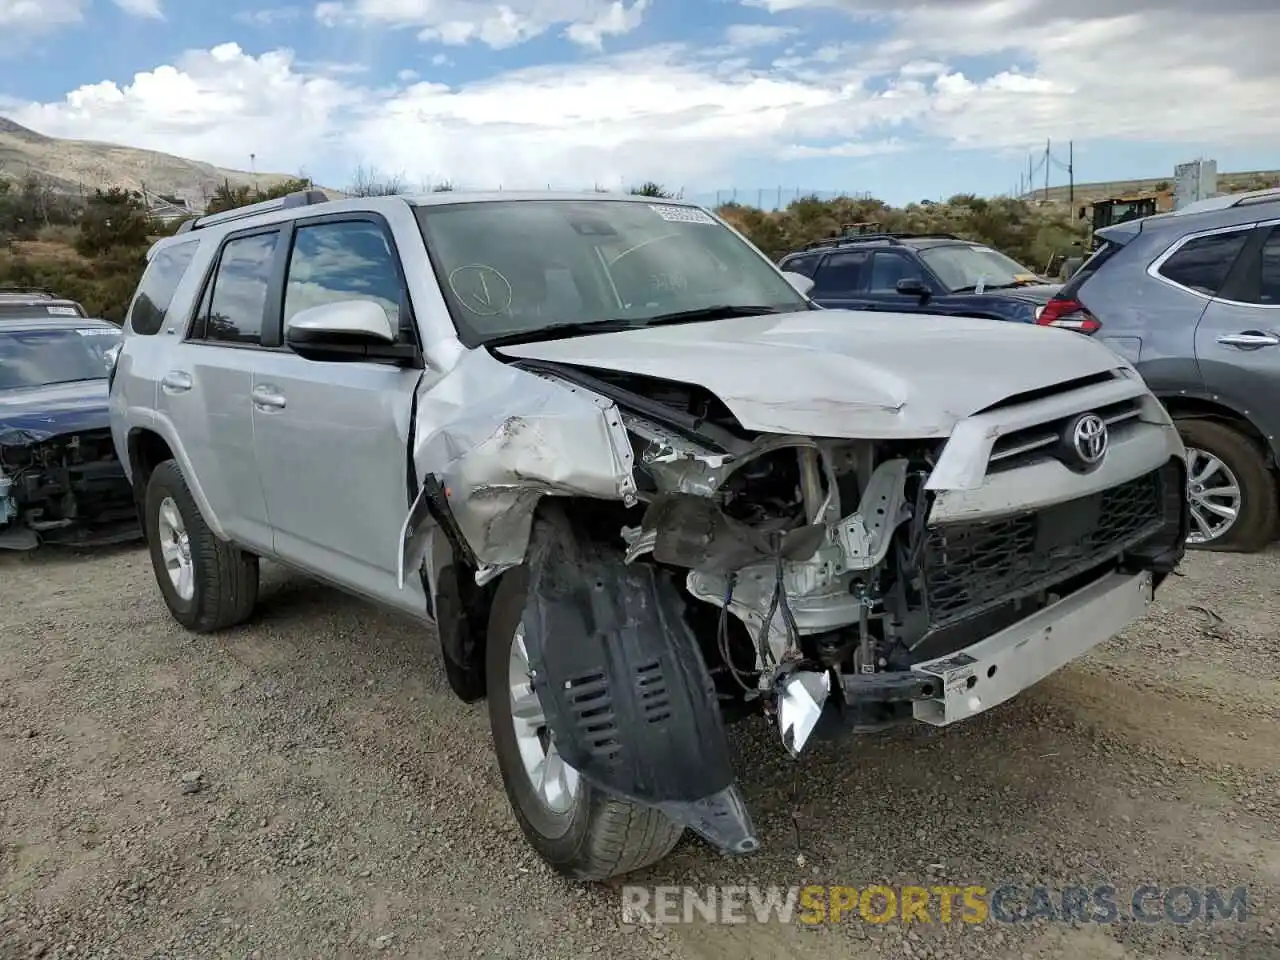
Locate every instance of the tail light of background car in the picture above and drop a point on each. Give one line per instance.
(1068, 314)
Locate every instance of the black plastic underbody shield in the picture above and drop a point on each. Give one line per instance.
(623, 685)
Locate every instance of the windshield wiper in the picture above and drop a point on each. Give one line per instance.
(557, 331)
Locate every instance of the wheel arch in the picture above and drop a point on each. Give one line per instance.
(149, 446)
(1184, 407)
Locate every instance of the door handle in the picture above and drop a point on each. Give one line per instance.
(176, 381)
(1250, 338)
(268, 398)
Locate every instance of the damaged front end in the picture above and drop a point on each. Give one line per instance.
(63, 488)
(845, 584)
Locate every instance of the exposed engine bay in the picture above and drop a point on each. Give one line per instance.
(65, 489)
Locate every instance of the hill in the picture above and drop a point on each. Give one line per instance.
(81, 166)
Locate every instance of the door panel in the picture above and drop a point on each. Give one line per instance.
(205, 394)
(1238, 337)
(331, 443)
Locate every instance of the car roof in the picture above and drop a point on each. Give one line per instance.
(30, 324)
(307, 203)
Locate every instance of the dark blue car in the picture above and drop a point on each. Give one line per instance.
(60, 480)
(920, 273)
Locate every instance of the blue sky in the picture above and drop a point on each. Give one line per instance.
(903, 99)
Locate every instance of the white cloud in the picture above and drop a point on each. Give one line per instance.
(38, 15)
(757, 34)
(268, 17)
(149, 9)
(497, 25)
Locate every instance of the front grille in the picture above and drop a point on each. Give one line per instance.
(970, 568)
(1020, 447)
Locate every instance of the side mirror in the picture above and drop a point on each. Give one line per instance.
(913, 287)
(347, 330)
(801, 283)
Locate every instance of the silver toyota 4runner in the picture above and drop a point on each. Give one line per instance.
(639, 483)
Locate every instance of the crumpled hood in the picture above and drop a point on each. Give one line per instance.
(843, 373)
(32, 414)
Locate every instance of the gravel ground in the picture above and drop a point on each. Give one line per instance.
(306, 786)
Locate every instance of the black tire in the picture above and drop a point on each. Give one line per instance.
(225, 577)
(1256, 523)
(601, 836)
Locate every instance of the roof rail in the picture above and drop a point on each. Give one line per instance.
(300, 198)
(893, 239)
(16, 290)
(1245, 199)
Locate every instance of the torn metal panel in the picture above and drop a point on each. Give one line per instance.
(498, 439)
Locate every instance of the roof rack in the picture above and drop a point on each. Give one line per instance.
(15, 290)
(1245, 199)
(893, 239)
(300, 198)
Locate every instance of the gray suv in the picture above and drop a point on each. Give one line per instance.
(1192, 299)
(638, 483)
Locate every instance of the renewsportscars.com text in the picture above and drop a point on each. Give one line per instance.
(971, 904)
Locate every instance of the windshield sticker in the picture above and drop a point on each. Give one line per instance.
(63, 312)
(96, 331)
(673, 214)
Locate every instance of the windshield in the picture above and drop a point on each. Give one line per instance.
(963, 266)
(515, 266)
(38, 358)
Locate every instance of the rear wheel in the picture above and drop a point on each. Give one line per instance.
(579, 830)
(1231, 490)
(207, 583)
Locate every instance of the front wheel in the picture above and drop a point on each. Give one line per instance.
(1232, 492)
(208, 583)
(578, 829)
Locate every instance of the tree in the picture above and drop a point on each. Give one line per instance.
(114, 218)
(651, 189)
(370, 184)
(227, 197)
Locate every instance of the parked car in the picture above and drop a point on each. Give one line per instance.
(920, 273)
(34, 303)
(1192, 299)
(638, 481)
(60, 481)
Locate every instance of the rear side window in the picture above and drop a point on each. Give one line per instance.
(236, 299)
(840, 274)
(805, 265)
(159, 281)
(1203, 264)
(1269, 291)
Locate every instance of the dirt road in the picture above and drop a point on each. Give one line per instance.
(307, 787)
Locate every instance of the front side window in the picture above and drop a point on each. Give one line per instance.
(841, 274)
(890, 269)
(965, 267)
(41, 358)
(237, 298)
(515, 267)
(1203, 264)
(335, 262)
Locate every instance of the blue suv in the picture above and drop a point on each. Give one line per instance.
(920, 273)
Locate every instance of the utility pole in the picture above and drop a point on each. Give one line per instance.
(1071, 176)
(1047, 156)
(1031, 175)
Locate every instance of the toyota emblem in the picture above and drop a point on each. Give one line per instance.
(1089, 439)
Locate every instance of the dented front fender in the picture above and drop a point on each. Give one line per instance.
(490, 441)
